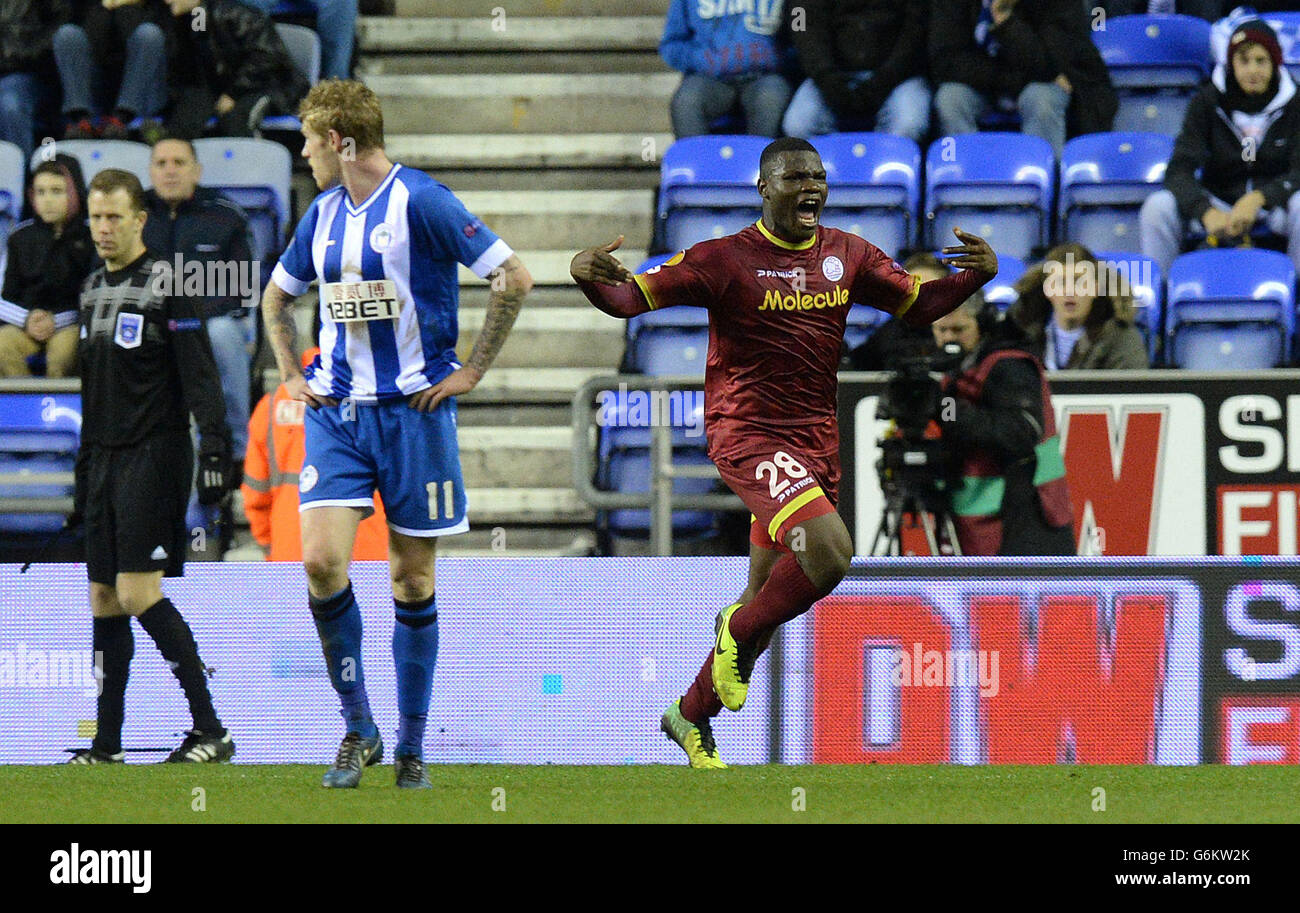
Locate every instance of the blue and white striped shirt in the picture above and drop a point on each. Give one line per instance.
(411, 231)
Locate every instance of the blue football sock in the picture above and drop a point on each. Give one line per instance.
(415, 652)
(338, 621)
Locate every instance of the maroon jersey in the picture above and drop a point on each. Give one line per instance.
(777, 313)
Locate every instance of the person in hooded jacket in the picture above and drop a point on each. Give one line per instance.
(1241, 134)
(48, 258)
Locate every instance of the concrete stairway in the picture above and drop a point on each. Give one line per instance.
(547, 118)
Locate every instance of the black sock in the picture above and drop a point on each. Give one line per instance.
(175, 642)
(114, 646)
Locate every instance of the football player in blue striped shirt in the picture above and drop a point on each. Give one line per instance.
(384, 242)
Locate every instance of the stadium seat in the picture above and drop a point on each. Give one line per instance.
(1230, 310)
(95, 155)
(875, 187)
(997, 185)
(255, 174)
(12, 181)
(1148, 289)
(303, 45)
(1001, 288)
(1105, 178)
(668, 342)
(708, 188)
(1155, 63)
(39, 433)
(624, 466)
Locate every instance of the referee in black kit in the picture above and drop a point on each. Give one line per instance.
(145, 365)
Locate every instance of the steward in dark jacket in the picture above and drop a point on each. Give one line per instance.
(210, 233)
(237, 57)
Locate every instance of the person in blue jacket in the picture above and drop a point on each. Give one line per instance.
(728, 52)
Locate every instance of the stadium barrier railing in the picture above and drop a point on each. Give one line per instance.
(660, 500)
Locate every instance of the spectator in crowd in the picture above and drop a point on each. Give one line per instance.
(49, 257)
(725, 58)
(271, 466)
(336, 24)
(896, 341)
(210, 235)
(1073, 318)
(26, 66)
(865, 63)
(1236, 163)
(1209, 10)
(1034, 58)
(236, 68)
(112, 44)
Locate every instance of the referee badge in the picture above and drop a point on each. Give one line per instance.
(130, 330)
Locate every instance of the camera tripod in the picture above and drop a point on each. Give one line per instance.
(934, 514)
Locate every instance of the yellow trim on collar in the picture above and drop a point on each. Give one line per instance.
(785, 244)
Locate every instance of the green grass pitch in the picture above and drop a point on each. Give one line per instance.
(511, 794)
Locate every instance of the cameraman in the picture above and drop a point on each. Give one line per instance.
(1014, 500)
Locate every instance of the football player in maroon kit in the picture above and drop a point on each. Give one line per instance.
(778, 295)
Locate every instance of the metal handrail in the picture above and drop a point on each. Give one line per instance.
(660, 499)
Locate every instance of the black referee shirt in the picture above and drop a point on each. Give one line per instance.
(146, 361)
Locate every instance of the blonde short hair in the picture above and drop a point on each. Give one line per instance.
(349, 108)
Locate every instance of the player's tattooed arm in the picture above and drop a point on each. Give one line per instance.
(511, 283)
(282, 334)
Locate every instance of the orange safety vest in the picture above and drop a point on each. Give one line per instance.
(977, 506)
(270, 488)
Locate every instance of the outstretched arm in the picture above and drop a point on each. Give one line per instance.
(942, 296)
(606, 282)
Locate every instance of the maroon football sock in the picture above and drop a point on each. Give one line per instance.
(701, 702)
(787, 594)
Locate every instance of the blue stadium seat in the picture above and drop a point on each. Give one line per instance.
(1230, 309)
(32, 463)
(997, 185)
(303, 45)
(667, 342)
(1155, 63)
(1001, 288)
(94, 155)
(875, 187)
(624, 465)
(1105, 178)
(708, 188)
(1148, 288)
(294, 8)
(39, 433)
(12, 180)
(255, 174)
(862, 322)
(40, 422)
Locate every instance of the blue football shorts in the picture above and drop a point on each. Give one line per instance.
(411, 457)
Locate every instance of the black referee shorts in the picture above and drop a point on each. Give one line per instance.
(135, 507)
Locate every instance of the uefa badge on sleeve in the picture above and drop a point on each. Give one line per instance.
(129, 331)
(833, 269)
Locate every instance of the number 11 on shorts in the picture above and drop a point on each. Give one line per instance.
(448, 491)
